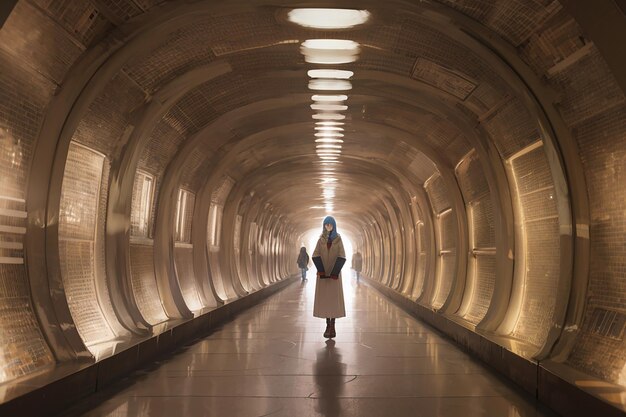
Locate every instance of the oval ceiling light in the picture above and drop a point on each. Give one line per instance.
(331, 45)
(329, 128)
(329, 135)
(329, 97)
(325, 84)
(329, 116)
(328, 107)
(328, 18)
(330, 73)
(329, 123)
(330, 51)
(328, 140)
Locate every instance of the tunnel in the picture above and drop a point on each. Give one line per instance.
(162, 163)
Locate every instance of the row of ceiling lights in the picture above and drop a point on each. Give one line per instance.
(330, 86)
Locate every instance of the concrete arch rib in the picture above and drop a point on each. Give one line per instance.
(565, 163)
(121, 187)
(83, 83)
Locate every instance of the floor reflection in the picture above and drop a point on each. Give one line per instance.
(329, 372)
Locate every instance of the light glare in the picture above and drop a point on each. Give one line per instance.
(329, 123)
(329, 116)
(328, 140)
(329, 51)
(328, 18)
(329, 97)
(328, 107)
(330, 73)
(330, 85)
(329, 129)
(329, 135)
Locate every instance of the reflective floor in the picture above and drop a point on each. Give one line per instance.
(273, 360)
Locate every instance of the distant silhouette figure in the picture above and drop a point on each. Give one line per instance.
(329, 257)
(357, 264)
(303, 262)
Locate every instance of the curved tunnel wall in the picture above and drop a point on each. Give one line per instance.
(153, 159)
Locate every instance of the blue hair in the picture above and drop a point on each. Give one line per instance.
(330, 220)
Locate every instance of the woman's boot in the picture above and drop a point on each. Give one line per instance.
(332, 332)
(327, 331)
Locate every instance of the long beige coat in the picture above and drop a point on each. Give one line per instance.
(329, 292)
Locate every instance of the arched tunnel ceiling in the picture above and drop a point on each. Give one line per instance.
(480, 151)
(413, 77)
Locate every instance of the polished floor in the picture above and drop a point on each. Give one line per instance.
(273, 361)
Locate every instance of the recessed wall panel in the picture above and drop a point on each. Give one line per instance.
(471, 178)
(483, 223)
(184, 215)
(78, 214)
(143, 281)
(141, 209)
(445, 278)
(437, 193)
(541, 234)
(445, 275)
(24, 94)
(183, 251)
(485, 270)
(79, 283)
(480, 278)
(183, 258)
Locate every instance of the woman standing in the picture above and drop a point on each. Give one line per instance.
(329, 257)
(303, 262)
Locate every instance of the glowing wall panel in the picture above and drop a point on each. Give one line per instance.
(77, 233)
(445, 232)
(22, 348)
(483, 265)
(143, 281)
(446, 272)
(482, 262)
(23, 97)
(485, 270)
(183, 251)
(183, 259)
(537, 204)
(141, 209)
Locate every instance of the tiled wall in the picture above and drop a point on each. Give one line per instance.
(78, 219)
(481, 272)
(589, 100)
(445, 231)
(24, 94)
(143, 280)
